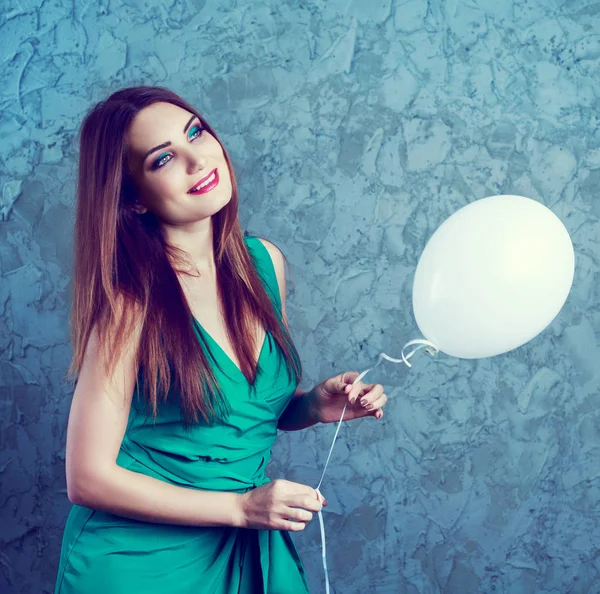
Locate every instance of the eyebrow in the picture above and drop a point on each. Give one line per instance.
(168, 143)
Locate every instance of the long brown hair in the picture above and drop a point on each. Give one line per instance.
(124, 273)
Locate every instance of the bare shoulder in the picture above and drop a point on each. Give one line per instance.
(279, 265)
(277, 257)
(105, 368)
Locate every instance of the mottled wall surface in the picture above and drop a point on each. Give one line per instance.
(356, 127)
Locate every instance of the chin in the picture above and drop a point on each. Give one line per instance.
(223, 201)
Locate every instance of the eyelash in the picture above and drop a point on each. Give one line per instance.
(156, 164)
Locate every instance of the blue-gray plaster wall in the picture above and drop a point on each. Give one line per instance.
(356, 127)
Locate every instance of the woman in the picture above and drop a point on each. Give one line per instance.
(185, 369)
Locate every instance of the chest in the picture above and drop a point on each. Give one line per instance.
(202, 297)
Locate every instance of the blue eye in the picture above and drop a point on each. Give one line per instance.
(159, 162)
(198, 129)
(195, 132)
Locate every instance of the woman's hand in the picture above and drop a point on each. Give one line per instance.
(279, 505)
(330, 396)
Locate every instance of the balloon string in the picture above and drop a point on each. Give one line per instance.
(418, 344)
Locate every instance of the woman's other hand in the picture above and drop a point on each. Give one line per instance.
(330, 397)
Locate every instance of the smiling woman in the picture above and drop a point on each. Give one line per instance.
(194, 164)
(179, 316)
(171, 303)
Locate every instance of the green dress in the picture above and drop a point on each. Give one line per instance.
(104, 553)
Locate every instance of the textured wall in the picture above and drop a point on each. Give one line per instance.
(356, 127)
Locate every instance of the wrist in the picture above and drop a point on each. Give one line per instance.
(312, 408)
(237, 510)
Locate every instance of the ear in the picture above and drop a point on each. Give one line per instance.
(139, 208)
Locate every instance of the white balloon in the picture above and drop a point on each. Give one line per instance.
(492, 277)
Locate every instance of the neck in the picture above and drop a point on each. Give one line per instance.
(197, 241)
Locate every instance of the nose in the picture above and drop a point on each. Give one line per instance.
(196, 161)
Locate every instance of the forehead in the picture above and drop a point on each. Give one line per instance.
(154, 125)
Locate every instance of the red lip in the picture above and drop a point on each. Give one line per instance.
(214, 171)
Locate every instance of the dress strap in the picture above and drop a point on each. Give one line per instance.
(264, 266)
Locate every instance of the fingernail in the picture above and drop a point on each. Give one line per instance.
(363, 401)
(369, 407)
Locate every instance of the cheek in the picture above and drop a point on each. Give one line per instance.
(216, 150)
(159, 189)
(223, 169)
(166, 181)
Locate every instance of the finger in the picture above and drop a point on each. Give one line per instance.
(346, 381)
(305, 496)
(292, 526)
(373, 392)
(306, 490)
(378, 404)
(355, 392)
(298, 514)
(377, 407)
(349, 376)
(321, 497)
(284, 486)
(308, 502)
(292, 488)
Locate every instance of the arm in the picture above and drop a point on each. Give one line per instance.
(299, 413)
(97, 423)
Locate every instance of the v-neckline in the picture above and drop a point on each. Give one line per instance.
(227, 357)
